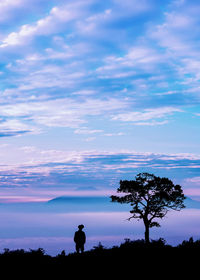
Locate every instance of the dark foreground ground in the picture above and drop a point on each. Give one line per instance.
(132, 259)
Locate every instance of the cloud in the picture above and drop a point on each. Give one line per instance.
(180, 44)
(133, 6)
(193, 180)
(45, 26)
(140, 118)
(101, 24)
(14, 127)
(152, 123)
(69, 113)
(85, 130)
(93, 69)
(64, 112)
(91, 24)
(137, 58)
(90, 139)
(36, 168)
(174, 32)
(8, 6)
(114, 134)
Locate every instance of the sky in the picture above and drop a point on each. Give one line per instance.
(93, 91)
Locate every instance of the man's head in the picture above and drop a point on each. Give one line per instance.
(81, 227)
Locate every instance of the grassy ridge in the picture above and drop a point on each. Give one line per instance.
(130, 257)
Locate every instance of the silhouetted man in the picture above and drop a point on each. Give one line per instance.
(79, 239)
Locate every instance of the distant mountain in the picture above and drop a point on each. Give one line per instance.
(100, 203)
(80, 199)
(190, 203)
(86, 203)
(75, 204)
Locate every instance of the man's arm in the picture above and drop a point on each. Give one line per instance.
(75, 237)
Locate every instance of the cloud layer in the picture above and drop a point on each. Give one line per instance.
(30, 174)
(104, 76)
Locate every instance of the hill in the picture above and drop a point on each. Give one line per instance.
(85, 203)
(99, 203)
(130, 258)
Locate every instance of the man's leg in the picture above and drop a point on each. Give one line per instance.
(82, 248)
(77, 248)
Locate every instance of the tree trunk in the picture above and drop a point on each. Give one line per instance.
(147, 233)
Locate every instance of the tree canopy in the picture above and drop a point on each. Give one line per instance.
(150, 197)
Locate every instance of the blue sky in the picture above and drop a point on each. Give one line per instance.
(94, 91)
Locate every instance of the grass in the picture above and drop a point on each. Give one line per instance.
(129, 258)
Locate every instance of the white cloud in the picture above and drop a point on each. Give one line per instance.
(25, 165)
(91, 24)
(90, 139)
(114, 134)
(85, 130)
(45, 26)
(65, 52)
(8, 3)
(63, 112)
(98, 24)
(193, 180)
(137, 58)
(7, 6)
(152, 123)
(133, 7)
(175, 34)
(178, 35)
(147, 114)
(14, 127)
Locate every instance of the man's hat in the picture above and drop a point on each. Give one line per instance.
(81, 226)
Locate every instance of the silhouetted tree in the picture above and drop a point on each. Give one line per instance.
(151, 197)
